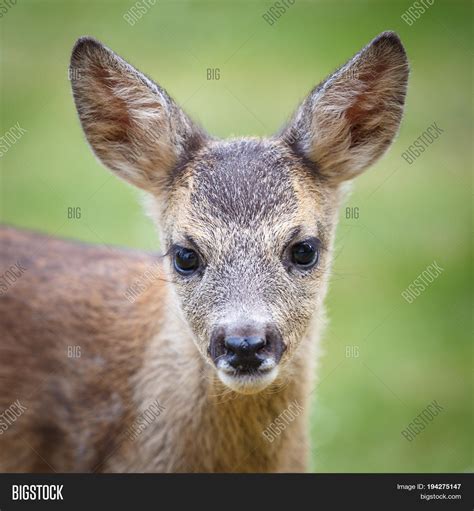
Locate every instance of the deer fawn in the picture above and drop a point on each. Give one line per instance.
(186, 370)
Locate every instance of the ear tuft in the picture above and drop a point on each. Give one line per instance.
(349, 120)
(84, 44)
(388, 38)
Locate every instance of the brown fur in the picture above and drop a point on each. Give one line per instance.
(241, 204)
(73, 294)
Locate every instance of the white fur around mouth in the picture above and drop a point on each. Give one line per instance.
(247, 383)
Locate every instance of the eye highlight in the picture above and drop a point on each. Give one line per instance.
(305, 254)
(185, 261)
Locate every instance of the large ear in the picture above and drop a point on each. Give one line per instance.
(350, 119)
(131, 123)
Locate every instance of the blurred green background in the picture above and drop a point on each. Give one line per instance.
(407, 355)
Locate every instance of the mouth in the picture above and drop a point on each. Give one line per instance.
(247, 381)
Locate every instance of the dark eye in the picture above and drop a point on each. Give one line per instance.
(305, 254)
(186, 261)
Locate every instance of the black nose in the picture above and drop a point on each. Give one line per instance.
(245, 345)
(243, 351)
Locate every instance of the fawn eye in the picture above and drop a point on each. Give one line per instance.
(186, 261)
(305, 254)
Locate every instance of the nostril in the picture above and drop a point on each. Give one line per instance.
(233, 344)
(256, 343)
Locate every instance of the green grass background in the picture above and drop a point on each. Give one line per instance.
(410, 215)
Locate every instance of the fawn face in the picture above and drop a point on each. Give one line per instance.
(248, 232)
(247, 224)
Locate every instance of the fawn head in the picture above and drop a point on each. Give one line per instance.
(247, 224)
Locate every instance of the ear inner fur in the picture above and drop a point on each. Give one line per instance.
(349, 120)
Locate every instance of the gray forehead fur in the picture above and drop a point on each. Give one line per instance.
(245, 181)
